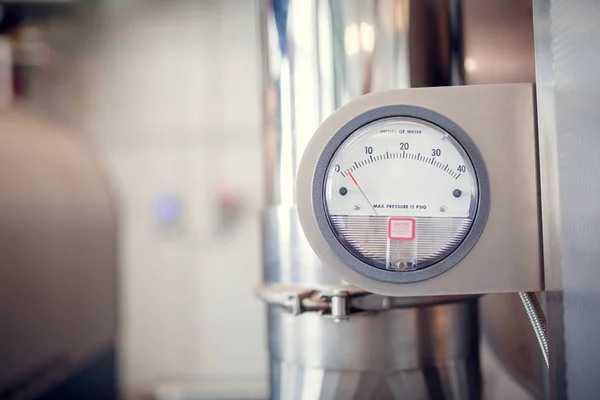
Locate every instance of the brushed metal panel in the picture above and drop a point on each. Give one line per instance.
(550, 196)
(574, 85)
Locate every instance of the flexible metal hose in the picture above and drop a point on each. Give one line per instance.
(537, 318)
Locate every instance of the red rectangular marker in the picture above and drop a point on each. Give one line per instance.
(401, 228)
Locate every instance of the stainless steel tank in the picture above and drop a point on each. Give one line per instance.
(319, 55)
(405, 353)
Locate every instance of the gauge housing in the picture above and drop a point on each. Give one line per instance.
(492, 128)
(422, 220)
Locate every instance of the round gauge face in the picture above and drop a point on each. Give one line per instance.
(400, 194)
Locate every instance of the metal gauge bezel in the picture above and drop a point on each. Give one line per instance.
(429, 117)
(457, 146)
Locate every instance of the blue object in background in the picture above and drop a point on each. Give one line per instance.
(167, 208)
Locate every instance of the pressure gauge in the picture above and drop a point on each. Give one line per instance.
(399, 194)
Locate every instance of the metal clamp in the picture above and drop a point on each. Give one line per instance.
(296, 300)
(340, 303)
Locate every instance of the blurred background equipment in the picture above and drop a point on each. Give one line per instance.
(58, 251)
(58, 229)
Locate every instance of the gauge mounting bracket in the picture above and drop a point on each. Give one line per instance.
(501, 250)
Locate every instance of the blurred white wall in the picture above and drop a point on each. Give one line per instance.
(174, 108)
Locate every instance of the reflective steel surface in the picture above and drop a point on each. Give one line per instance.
(318, 55)
(571, 33)
(322, 54)
(287, 255)
(548, 142)
(498, 41)
(513, 343)
(410, 353)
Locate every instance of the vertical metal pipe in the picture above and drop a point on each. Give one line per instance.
(318, 55)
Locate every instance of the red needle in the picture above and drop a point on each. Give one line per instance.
(361, 191)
